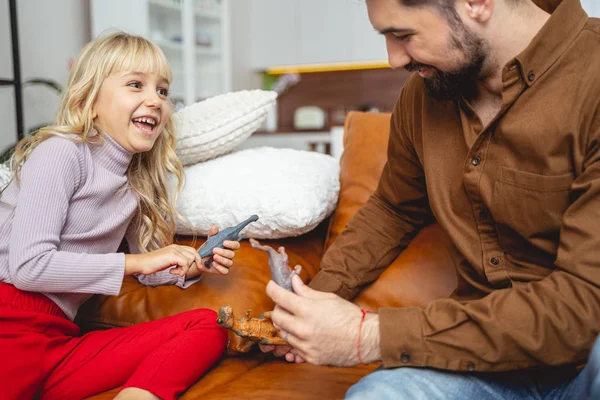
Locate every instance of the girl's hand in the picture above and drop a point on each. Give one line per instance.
(182, 258)
(219, 262)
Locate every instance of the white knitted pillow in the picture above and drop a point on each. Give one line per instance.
(291, 191)
(216, 126)
(5, 175)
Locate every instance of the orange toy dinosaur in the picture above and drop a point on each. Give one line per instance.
(260, 329)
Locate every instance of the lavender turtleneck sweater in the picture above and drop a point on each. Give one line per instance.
(61, 227)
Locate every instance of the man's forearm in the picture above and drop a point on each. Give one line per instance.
(373, 239)
(370, 348)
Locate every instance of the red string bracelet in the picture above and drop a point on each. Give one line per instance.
(364, 314)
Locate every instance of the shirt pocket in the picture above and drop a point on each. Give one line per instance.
(528, 209)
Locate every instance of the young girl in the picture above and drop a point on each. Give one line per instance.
(100, 174)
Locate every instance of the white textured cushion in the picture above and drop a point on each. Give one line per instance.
(5, 175)
(216, 126)
(291, 191)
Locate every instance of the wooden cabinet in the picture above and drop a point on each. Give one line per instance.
(291, 32)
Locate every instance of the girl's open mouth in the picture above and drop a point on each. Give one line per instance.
(145, 124)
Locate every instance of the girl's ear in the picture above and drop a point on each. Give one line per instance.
(94, 113)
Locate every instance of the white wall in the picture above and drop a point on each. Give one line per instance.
(50, 33)
(243, 77)
(592, 7)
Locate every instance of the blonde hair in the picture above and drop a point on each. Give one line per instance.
(147, 173)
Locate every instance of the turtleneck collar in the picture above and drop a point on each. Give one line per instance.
(111, 155)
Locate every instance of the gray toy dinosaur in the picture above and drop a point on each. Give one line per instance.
(231, 233)
(281, 272)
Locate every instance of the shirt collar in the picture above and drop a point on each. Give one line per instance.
(557, 34)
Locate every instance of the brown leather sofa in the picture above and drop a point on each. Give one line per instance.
(423, 272)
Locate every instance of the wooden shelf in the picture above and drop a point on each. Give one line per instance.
(310, 68)
(291, 131)
(205, 51)
(166, 4)
(165, 44)
(207, 15)
(169, 5)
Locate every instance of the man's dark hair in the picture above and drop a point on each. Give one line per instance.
(446, 7)
(440, 3)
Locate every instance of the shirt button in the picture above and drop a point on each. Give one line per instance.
(470, 367)
(476, 161)
(531, 77)
(405, 357)
(483, 215)
(495, 261)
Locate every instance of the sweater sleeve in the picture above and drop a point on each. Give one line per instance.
(161, 277)
(49, 178)
(165, 278)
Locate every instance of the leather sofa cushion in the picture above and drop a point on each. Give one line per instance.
(365, 153)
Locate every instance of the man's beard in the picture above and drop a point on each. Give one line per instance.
(445, 86)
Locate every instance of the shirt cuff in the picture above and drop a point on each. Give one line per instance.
(401, 337)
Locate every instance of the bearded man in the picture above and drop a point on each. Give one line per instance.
(497, 138)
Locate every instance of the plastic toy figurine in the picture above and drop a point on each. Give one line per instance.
(231, 233)
(258, 330)
(281, 272)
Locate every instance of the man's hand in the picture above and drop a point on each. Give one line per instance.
(291, 354)
(323, 328)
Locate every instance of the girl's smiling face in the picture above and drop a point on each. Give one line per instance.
(132, 108)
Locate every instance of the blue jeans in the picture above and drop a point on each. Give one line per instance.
(431, 384)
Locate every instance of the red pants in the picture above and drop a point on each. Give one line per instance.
(41, 353)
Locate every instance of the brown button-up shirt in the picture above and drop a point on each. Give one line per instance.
(520, 198)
